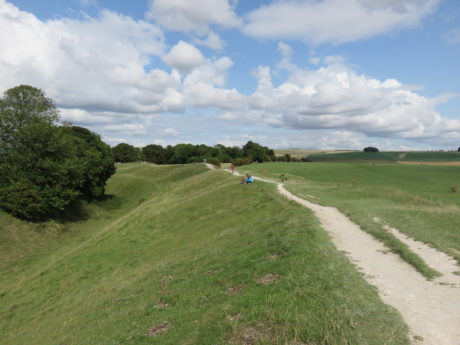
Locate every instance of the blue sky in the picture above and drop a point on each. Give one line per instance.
(324, 74)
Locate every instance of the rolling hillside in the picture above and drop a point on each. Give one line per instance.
(184, 255)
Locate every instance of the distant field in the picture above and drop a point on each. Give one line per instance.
(419, 157)
(422, 201)
(184, 255)
(301, 153)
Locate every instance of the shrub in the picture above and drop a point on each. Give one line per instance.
(214, 161)
(371, 149)
(453, 189)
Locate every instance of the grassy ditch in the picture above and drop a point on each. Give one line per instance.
(417, 200)
(184, 255)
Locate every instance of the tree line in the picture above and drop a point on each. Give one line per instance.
(46, 169)
(189, 153)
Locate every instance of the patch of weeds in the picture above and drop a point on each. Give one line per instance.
(283, 178)
(453, 189)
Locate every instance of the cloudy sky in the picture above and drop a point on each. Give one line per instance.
(327, 74)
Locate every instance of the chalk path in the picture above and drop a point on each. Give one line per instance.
(431, 309)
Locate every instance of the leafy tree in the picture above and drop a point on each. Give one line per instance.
(371, 149)
(125, 153)
(154, 154)
(22, 106)
(182, 152)
(258, 152)
(97, 160)
(45, 168)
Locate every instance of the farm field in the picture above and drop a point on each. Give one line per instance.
(400, 157)
(421, 201)
(185, 255)
(299, 153)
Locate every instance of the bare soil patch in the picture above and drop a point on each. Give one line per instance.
(158, 329)
(236, 289)
(269, 278)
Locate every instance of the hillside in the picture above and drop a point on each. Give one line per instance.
(183, 255)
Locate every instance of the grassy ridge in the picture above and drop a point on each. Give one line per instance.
(386, 157)
(189, 246)
(415, 199)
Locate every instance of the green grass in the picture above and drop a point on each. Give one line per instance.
(417, 200)
(184, 236)
(386, 157)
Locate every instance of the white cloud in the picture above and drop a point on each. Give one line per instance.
(93, 63)
(193, 16)
(169, 132)
(212, 41)
(127, 128)
(286, 52)
(334, 21)
(184, 57)
(336, 97)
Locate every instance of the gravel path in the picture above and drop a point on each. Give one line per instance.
(430, 308)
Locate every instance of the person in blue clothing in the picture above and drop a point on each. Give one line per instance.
(249, 179)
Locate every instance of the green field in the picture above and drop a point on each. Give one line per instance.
(192, 253)
(408, 156)
(420, 200)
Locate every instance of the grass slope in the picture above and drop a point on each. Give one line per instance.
(417, 200)
(386, 157)
(178, 252)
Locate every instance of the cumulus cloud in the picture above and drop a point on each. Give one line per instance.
(193, 16)
(93, 63)
(127, 128)
(212, 41)
(169, 132)
(334, 21)
(184, 57)
(334, 96)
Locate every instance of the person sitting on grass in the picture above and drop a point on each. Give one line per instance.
(249, 179)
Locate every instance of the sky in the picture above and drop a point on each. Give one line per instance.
(316, 74)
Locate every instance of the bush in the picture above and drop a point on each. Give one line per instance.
(371, 149)
(214, 161)
(242, 161)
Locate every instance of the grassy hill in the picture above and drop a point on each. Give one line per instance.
(386, 157)
(184, 255)
(422, 201)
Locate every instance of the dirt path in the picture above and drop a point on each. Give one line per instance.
(431, 309)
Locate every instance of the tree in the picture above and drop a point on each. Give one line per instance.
(23, 106)
(124, 153)
(154, 154)
(371, 149)
(45, 168)
(182, 153)
(459, 149)
(96, 158)
(258, 152)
